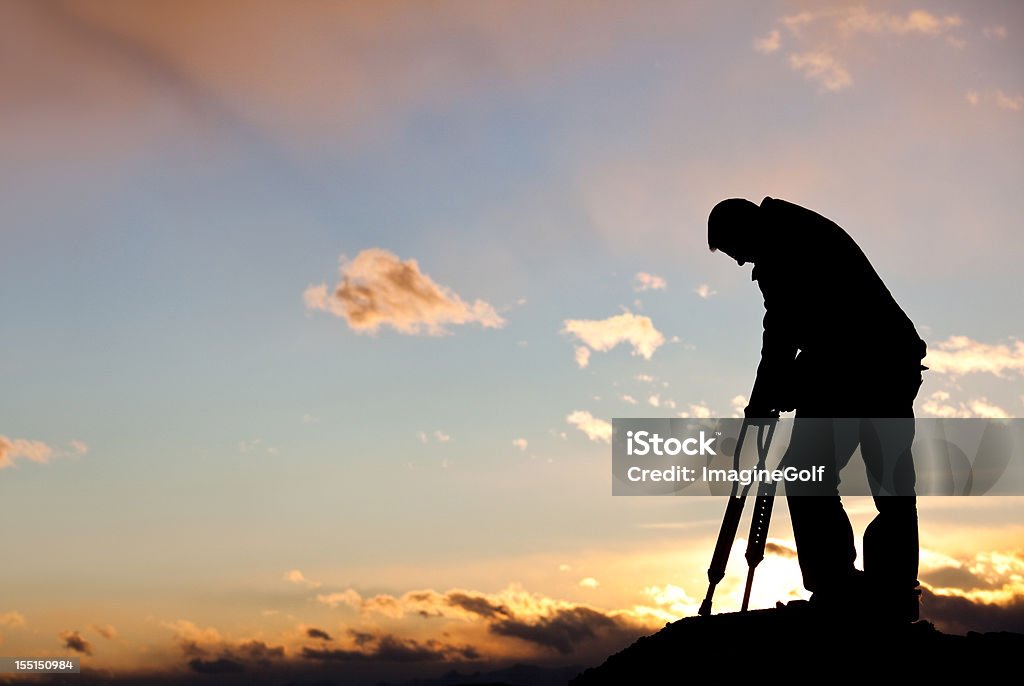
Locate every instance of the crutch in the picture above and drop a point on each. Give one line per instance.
(734, 510)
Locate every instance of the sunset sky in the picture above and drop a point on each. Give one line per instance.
(315, 314)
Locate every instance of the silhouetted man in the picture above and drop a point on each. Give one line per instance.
(839, 350)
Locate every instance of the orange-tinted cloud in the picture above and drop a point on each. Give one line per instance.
(12, 449)
(378, 289)
(74, 641)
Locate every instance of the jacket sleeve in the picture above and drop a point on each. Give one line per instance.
(776, 368)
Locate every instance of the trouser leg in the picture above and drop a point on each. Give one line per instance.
(821, 528)
(891, 539)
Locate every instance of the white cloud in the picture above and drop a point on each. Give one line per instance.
(604, 334)
(436, 435)
(768, 44)
(378, 289)
(441, 436)
(521, 443)
(648, 282)
(589, 582)
(582, 356)
(823, 68)
(296, 576)
(959, 355)
(938, 405)
(739, 403)
(698, 411)
(595, 429)
(645, 378)
(629, 399)
(79, 447)
(12, 449)
(704, 291)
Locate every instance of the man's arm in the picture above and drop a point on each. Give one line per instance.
(772, 392)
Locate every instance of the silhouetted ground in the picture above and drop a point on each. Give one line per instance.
(796, 642)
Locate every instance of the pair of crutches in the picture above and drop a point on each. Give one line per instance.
(730, 523)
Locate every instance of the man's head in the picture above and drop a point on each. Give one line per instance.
(734, 228)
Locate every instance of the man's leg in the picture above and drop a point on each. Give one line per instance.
(821, 528)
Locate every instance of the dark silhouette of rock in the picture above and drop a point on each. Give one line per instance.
(796, 641)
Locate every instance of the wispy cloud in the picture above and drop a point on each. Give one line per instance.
(604, 334)
(521, 443)
(379, 289)
(595, 429)
(821, 38)
(770, 43)
(959, 355)
(823, 68)
(296, 576)
(704, 291)
(648, 282)
(939, 404)
(12, 449)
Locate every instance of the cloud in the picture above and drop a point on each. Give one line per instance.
(958, 355)
(704, 291)
(1014, 103)
(824, 34)
(221, 665)
(958, 614)
(861, 20)
(823, 68)
(973, 97)
(648, 282)
(378, 289)
(296, 576)
(698, 411)
(582, 356)
(938, 405)
(79, 447)
(74, 641)
(436, 435)
(739, 404)
(604, 334)
(770, 43)
(629, 399)
(313, 632)
(589, 582)
(595, 429)
(998, 31)
(521, 443)
(12, 619)
(390, 648)
(779, 549)
(105, 630)
(347, 597)
(12, 449)
(477, 604)
(654, 400)
(564, 629)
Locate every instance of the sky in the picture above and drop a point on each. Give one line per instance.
(315, 315)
